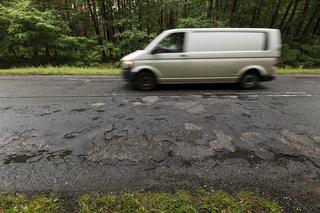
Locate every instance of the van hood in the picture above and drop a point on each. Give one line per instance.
(134, 56)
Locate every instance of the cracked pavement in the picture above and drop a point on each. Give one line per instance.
(80, 134)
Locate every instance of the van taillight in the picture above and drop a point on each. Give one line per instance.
(277, 62)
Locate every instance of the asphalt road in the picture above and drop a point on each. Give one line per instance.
(80, 134)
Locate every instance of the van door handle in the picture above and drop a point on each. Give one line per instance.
(183, 55)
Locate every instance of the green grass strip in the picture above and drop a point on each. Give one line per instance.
(76, 71)
(181, 201)
(298, 71)
(24, 204)
(127, 202)
(108, 71)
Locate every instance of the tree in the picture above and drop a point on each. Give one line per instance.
(86, 32)
(286, 14)
(275, 13)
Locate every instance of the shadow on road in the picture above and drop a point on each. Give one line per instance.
(201, 87)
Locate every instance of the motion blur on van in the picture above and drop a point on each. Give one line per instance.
(219, 55)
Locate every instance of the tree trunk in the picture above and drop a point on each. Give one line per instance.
(210, 10)
(107, 16)
(140, 9)
(120, 13)
(161, 21)
(315, 29)
(313, 17)
(253, 18)
(111, 22)
(119, 6)
(103, 11)
(256, 14)
(302, 17)
(286, 14)
(172, 21)
(47, 52)
(233, 11)
(216, 11)
(275, 14)
(288, 25)
(186, 8)
(36, 56)
(93, 14)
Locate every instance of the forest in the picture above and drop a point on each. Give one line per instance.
(97, 32)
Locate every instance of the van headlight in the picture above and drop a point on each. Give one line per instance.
(127, 64)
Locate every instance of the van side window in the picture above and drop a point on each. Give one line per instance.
(172, 44)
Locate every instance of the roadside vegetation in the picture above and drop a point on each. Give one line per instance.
(298, 71)
(109, 70)
(65, 70)
(22, 203)
(94, 32)
(181, 201)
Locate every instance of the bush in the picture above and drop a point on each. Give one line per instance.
(131, 40)
(30, 37)
(301, 55)
(193, 22)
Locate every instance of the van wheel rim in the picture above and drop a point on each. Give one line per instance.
(146, 81)
(249, 81)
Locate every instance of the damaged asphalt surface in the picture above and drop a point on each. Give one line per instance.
(80, 134)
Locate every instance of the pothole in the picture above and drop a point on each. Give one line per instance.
(222, 142)
(302, 143)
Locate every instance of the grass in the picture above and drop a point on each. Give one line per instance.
(181, 201)
(110, 71)
(22, 203)
(298, 71)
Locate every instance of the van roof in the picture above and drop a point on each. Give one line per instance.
(221, 29)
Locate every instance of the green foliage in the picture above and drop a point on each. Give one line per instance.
(30, 28)
(11, 203)
(298, 71)
(41, 37)
(41, 204)
(96, 203)
(109, 70)
(193, 22)
(180, 202)
(37, 32)
(24, 204)
(131, 40)
(302, 55)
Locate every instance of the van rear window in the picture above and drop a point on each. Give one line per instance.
(227, 41)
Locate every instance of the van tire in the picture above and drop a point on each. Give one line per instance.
(249, 80)
(145, 80)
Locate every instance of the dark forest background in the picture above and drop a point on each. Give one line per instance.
(94, 32)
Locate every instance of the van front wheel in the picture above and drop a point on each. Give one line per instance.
(145, 80)
(249, 80)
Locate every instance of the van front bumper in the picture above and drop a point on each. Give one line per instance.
(127, 75)
(267, 77)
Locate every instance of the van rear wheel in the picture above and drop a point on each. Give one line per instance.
(145, 80)
(249, 80)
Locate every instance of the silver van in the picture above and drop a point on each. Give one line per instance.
(218, 55)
